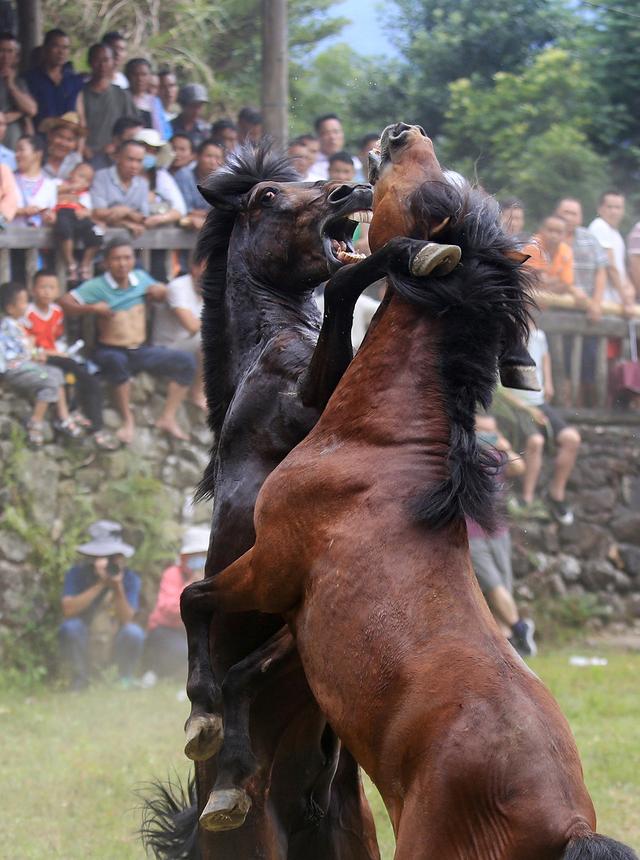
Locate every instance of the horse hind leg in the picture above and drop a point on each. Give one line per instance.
(229, 801)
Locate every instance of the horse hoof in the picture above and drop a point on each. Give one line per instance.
(203, 736)
(439, 259)
(226, 809)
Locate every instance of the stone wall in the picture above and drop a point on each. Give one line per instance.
(597, 558)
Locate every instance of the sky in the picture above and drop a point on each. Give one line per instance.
(365, 35)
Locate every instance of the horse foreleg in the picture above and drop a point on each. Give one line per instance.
(233, 587)
(229, 802)
(334, 350)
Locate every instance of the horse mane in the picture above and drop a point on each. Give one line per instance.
(484, 305)
(252, 164)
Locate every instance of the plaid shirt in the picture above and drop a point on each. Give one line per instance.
(15, 347)
(588, 257)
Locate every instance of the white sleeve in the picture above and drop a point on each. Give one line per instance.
(169, 191)
(601, 233)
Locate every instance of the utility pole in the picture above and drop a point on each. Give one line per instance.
(275, 69)
(29, 27)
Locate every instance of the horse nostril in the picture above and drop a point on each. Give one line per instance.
(422, 131)
(340, 194)
(399, 131)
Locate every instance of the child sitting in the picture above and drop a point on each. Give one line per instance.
(74, 224)
(44, 321)
(23, 369)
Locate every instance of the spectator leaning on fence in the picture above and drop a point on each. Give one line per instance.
(192, 100)
(64, 136)
(120, 195)
(166, 204)
(16, 102)
(74, 226)
(589, 272)
(605, 228)
(37, 192)
(209, 158)
(124, 128)
(101, 102)
(118, 300)
(53, 84)
(100, 598)
(23, 367)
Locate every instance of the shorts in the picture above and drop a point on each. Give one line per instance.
(556, 421)
(40, 381)
(517, 424)
(491, 559)
(69, 226)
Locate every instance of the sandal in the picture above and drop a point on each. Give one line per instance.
(105, 441)
(80, 419)
(35, 434)
(68, 428)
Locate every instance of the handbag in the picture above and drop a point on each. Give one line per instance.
(626, 374)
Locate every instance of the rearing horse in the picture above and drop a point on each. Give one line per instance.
(361, 545)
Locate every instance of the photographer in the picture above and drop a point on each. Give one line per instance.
(99, 601)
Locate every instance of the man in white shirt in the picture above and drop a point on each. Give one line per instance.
(605, 228)
(331, 136)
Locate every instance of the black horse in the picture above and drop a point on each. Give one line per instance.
(269, 241)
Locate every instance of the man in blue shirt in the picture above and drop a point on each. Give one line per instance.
(54, 85)
(101, 591)
(118, 300)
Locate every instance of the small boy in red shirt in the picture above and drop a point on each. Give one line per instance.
(44, 320)
(73, 222)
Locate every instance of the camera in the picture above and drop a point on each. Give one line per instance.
(112, 567)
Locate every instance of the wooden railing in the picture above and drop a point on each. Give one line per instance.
(559, 319)
(32, 240)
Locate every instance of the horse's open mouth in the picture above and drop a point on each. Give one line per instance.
(337, 237)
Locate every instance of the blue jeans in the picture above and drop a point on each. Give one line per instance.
(119, 364)
(74, 645)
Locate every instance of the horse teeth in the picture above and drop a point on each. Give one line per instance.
(364, 216)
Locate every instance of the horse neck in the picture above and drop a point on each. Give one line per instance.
(393, 391)
(254, 312)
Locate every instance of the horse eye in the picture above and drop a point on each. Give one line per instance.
(267, 198)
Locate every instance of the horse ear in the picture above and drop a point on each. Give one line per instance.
(225, 202)
(517, 257)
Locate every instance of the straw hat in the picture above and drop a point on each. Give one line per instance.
(69, 120)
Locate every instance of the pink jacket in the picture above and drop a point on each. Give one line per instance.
(166, 612)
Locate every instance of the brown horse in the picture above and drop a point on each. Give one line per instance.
(361, 544)
(268, 242)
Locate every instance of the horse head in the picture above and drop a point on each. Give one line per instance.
(286, 234)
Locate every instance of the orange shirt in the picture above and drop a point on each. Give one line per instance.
(559, 266)
(45, 328)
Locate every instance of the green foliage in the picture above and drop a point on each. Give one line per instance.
(526, 135)
(443, 42)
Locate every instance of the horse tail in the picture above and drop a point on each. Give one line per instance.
(169, 829)
(470, 488)
(593, 846)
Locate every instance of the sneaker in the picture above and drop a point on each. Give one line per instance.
(561, 511)
(522, 639)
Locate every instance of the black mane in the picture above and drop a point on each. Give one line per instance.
(485, 306)
(227, 187)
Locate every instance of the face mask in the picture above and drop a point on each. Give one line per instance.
(196, 563)
(149, 161)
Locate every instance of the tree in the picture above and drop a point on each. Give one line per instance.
(443, 42)
(526, 135)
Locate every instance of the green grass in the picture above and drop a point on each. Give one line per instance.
(70, 763)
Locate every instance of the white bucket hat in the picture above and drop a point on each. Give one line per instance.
(195, 540)
(105, 540)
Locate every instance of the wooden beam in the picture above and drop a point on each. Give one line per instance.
(275, 70)
(30, 27)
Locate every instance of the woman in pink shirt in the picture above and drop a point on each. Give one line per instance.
(166, 643)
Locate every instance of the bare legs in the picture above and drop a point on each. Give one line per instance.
(504, 608)
(167, 419)
(568, 441)
(121, 395)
